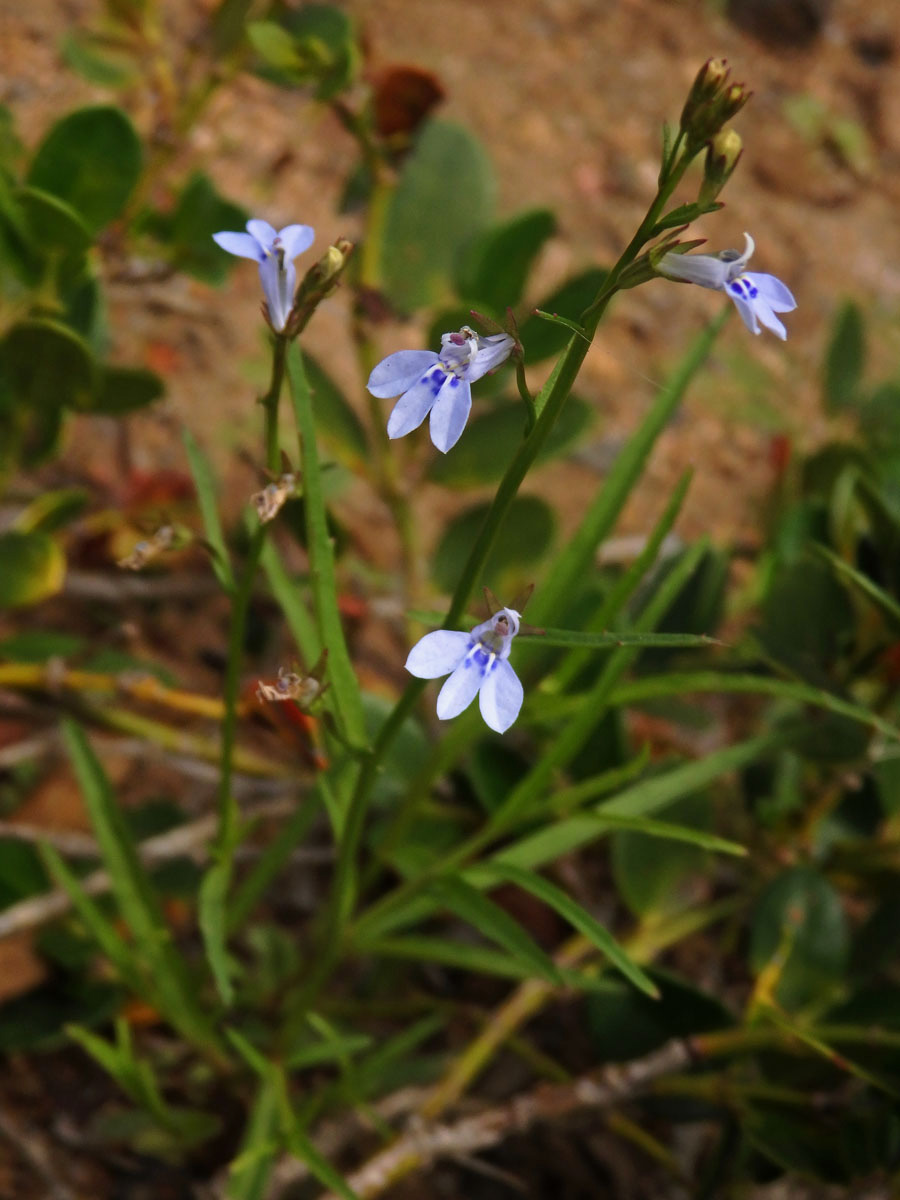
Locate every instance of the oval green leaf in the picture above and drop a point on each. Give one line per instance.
(490, 441)
(91, 159)
(525, 538)
(46, 366)
(443, 198)
(33, 567)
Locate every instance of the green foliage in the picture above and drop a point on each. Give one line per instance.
(485, 449)
(34, 567)
(800, 931)
(443, 199)
(528, 535)
(845, 359)
(186, 232)
(91, 159)
(494, 269)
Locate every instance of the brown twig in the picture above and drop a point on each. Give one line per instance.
(421, 1145)
(32, 1147)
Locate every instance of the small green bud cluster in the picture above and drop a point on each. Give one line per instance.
(711, 103)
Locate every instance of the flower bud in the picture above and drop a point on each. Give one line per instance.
(710, 78)
(318, 282)
(722, 155)
(711, 103)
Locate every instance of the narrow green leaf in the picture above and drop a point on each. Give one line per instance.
(212, 917)
(637, 691)
(139, 906)
(638, 801)
(574, 561)
(556, 319)
(205, 485)
(482, 960)
(344, 685)
(112, 945)
(670, 832)
(596, 701)
(578, 918)
(251, 1169)
(335, 1050)
(543, 337)
(496, 924)
(289, 596)
(614, 602)
(867, 586)
(608, 641)
(299, 1144)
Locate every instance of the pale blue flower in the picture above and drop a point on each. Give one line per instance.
(758, 297)
(437, 383)
(275, 251)
(477, 663)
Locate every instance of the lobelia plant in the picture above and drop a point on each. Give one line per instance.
(426, 837)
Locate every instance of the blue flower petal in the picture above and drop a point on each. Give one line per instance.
(438, 653)
(398, 372)
(459, 690)
(241, 244)
(776, 295)
(414, 405)
(264, 233)
(450, 412)
(501, 696)
(295, 239)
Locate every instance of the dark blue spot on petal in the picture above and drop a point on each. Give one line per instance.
(737, 287)
(454, 382)
(754, 292)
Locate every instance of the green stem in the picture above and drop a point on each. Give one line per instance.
(228, 809)
(319, 548)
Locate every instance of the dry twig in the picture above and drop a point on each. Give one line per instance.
(421, 1145)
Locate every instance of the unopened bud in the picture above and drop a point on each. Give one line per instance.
(711, 103)
(722, 156)
(710, 78)
(318, 282)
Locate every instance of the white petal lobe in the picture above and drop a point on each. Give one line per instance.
(398, 372)
(437, 653)
(459, 690)
(501, 696)
(450, 413)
